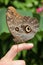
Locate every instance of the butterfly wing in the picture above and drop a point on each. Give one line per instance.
(16, 22)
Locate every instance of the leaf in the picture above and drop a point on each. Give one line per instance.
(3, 24)
(25, 13)
(41, 23)
(6, 2)
(1, 1)
(4, 36)
(35, 42)
(24, 53)
(39, 35)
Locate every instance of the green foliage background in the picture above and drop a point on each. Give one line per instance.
(27, 8)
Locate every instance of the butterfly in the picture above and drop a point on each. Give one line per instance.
(22, 28)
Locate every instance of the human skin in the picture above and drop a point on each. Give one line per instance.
(8, 58)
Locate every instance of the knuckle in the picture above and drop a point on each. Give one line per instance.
(13, 47)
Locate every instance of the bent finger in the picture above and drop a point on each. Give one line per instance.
(17, 48)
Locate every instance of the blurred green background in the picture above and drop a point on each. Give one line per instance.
(33, 8)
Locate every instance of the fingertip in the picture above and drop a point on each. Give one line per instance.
(19, 62)
(31, 44)
(23, 62)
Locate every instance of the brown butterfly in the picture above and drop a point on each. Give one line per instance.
(23, 28)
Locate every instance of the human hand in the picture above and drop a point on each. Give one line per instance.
(8, 58)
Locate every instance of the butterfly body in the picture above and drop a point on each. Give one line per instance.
(23, 28)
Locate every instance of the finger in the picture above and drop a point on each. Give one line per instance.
(17, 48)
(24, 46)
(18, 62)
